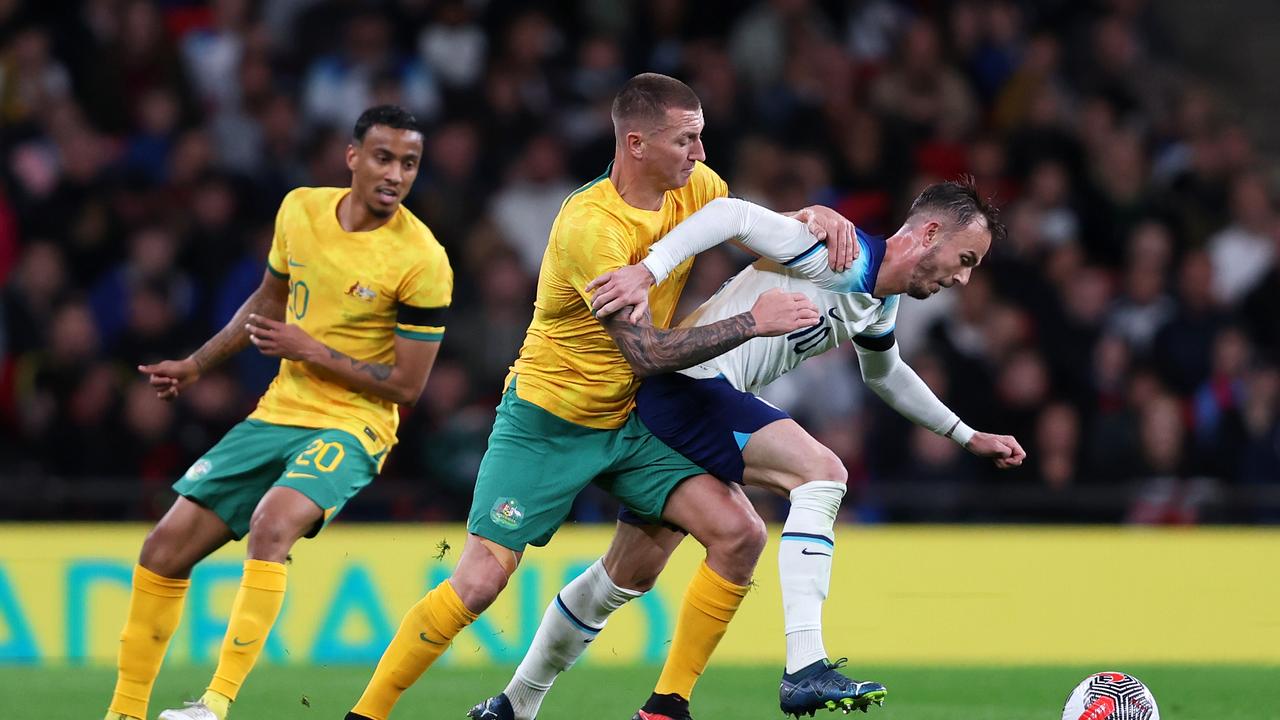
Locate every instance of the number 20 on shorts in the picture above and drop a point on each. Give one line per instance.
(326, 456)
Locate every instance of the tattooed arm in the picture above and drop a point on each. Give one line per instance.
(650, 350)
(168, 377)
(401, 382)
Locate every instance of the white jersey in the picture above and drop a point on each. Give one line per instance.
(797, 262)
(760, 361)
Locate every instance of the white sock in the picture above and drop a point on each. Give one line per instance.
(804, 568)
(569, 625)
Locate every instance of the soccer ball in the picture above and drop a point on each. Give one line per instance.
(1111, 696)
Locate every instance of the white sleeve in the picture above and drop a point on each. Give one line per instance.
(898, 385)
(886, 320)
(763, 231)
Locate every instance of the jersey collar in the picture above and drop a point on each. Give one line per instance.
(866, 268)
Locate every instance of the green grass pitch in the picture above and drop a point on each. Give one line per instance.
(915, 693)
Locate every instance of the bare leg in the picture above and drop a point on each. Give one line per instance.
(183, 537)
(719, 516)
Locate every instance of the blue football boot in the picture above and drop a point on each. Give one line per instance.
(821, 686)
(497, 707)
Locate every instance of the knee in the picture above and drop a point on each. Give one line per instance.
(824, 465)
(270, 537)
(162, 553)
(745, 538)
(478, 590)
(634, 573)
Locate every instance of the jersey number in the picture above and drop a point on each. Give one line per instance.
(808, 338)
(299, 299)
(325, 455)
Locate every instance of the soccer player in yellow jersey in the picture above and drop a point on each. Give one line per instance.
(352, 301)
(565, 417)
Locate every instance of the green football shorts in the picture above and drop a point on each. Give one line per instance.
(537, 463)
(328, 466)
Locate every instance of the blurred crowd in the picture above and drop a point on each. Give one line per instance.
(1127, 332)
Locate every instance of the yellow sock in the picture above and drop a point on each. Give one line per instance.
(155, 607)
(253, 613)
(425, 633)
(709, 604)
(217, 702)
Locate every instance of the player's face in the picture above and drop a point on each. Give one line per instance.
(672, 150)
(948, 258)
(383, 167)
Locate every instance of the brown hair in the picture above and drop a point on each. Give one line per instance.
(646, 98)
(959, 200)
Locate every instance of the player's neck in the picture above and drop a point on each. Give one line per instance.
(894, 274)
(354, 216)
(636, 190)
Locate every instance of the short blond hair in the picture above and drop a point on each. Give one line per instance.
(646, 98)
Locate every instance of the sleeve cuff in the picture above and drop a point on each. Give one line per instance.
(961, 433)
(655, 269)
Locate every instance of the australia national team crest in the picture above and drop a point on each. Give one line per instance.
(507, 513)
(361, 292)
(199, 470)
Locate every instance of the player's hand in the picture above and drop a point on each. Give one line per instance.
(277, 339)
(619, 288)
(838, 232)
(778, 313)
(1003, 449)
(168, 377)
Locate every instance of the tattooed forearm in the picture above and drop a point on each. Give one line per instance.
(651, 350)
(233, 338)
(377, 371)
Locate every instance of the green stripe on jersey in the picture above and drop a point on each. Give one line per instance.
(414, 335)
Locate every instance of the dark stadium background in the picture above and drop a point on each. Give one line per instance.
(1127, 332)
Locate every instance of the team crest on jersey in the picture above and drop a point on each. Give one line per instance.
(360, 291)
(507, 513)
(199, 470)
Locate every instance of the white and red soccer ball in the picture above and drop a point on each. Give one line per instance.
(1111, 696)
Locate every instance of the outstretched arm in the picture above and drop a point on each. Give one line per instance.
(884, 371)
(170, 376)
(650, 350)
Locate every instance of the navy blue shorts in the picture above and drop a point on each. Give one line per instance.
(708, 421)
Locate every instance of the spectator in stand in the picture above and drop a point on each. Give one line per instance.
(525, 206)
(1216, 406)
(1182, 347)
(341, 84)
(1259, 307)
(1143, 307)
(1260, 456)
(1058, 445)
(1243, 252)
(922, 90)
(1169, 492)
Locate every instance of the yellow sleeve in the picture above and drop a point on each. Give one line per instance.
(424, 297)
(278, 256)
(590, 245)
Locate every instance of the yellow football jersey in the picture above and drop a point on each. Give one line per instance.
(569, 366)
(352, 291)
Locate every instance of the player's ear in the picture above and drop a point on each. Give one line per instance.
(929, 236)
(635, 144)
(351, 157)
